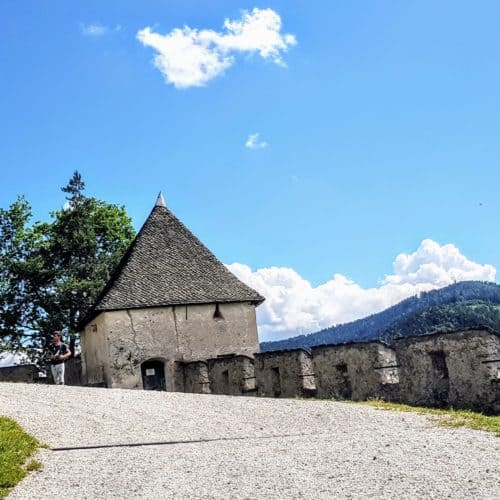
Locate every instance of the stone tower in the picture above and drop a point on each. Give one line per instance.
(170, 300)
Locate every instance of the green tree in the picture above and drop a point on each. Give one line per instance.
(51, 273)
(17, 244)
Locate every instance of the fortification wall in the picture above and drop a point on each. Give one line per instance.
(459, 369)
(20, 373)
(196, 377)
(284, 374)
(33, 374)
(356, 371)
(233, 374)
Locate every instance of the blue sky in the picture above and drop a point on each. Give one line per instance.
(381, 125)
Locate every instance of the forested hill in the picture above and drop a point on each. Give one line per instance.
(461, 305)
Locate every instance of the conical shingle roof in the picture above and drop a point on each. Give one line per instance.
(167, 265)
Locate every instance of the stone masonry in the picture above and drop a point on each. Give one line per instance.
(461, 370)
(232, 374)
(457, 369)
(356, 371)
(285, 374)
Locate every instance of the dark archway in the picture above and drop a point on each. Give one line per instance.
(153, 375)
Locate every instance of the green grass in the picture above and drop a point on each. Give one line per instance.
(15, 449)
(447, 418)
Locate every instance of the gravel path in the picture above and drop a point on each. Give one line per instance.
(237, 447)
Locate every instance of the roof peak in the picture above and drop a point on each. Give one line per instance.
(160, 201)
(167, 265)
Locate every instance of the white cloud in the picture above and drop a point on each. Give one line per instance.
(293, 306)
(189, 57)
(97, 29)
(93, 29)
(254, 142)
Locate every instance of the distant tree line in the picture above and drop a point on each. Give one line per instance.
(461, 305)
(445, 318)
(51, 272)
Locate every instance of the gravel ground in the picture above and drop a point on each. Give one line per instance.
(237, 447)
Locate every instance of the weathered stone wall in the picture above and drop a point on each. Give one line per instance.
(196, 377)
(356, 371)
(459, 369)
(95, 353)
(232, 375)
(20, 373)
(285, 374)
(116, 343)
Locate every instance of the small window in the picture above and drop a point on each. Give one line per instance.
(438, 360)
(276, 381)
(225, 380)
(341, 369)
(217, 313)
(343, 388)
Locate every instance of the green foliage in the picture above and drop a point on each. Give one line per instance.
(15, 448)
(51, 272)
(33, 465)
(18, 243)
(446, 318)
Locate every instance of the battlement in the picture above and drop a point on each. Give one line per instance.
(457, 369)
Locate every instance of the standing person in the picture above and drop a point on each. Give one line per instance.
(58, 354)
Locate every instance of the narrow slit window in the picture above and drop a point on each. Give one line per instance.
(225, 379)
(276, 381)
(217, 313)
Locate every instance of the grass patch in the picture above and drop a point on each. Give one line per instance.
(15, 449)
(33, 465)
(447, 418)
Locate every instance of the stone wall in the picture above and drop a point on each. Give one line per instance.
(116, 343)
(233, 374)
(461, 370)
(95, 355)
(284, 374)
(20, 373)
(356, 371)
(196, 377)
(458, 369)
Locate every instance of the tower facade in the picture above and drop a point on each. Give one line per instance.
(169, 301)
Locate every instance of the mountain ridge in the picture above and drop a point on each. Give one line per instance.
(461, 305)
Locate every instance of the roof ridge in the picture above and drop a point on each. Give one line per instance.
(166, 264)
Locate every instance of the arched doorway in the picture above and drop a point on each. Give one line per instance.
(153, 376)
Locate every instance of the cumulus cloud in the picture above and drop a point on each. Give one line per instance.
(254, 142)
(189, 57)
(97, 29)
(293, 306)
